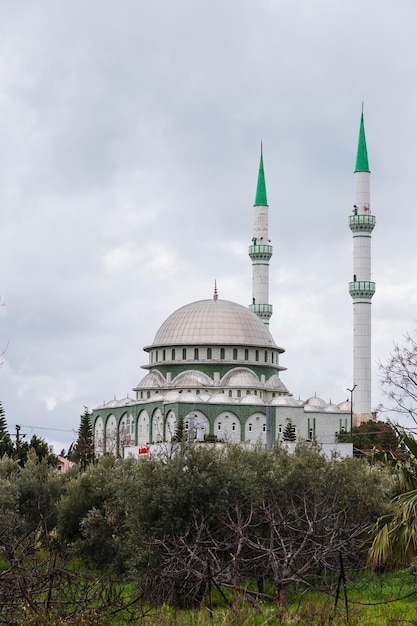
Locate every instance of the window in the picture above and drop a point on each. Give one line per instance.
(230, 393)
(184, 354)
(173, 354)
(195, 354)
(163, 355)
(266, 356)
(222, 353)
(219, 425)
(233, 426)
(148, 394)
(246, 355)
(263, 427)
(209, 356)
(250, 428)
(256, 355)
(239, 393)
(141, 395)
(235, 354)
(280, 428)
(156, 356)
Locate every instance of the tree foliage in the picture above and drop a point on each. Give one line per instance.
(182, 525)
(394, 535)
(6, 444)
(289, 431)
(20, 448)
(223, 517)
(399, 379)
(83, 452)
(372, 435)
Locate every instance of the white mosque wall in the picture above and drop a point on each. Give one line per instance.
(227, 427)
(143, 428)
(255, 429)
(157, 426)
(111, 435)
(99, 436)
(170, 426)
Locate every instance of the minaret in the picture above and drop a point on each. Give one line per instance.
(361, 223)
(260, 251)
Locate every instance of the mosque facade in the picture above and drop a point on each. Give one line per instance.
(214, 368)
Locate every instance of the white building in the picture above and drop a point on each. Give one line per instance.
(215, 366)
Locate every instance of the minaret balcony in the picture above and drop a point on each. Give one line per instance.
(260, 251)
(362, 289)
(362, 222)
(263, 311)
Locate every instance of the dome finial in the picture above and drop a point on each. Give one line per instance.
(215, 296)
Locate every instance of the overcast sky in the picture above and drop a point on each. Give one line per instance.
(129, 148)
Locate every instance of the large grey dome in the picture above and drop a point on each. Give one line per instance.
(217, 322)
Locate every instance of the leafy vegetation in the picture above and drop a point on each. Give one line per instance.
(370, 436)
(254, 536)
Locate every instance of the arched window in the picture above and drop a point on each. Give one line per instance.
(256, 355)
(239, 393)
(230, 393)
(195, 354)
(246, 355)
(184, 354)
(222, 353)
(156, 356)
(163, 355)
(235, 354)
(173, 354)
(266, 356)
(209, 356)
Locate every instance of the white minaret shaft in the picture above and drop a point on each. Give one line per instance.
(361, 288)
(260, 251)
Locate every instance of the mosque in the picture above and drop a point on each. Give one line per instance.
(214, 366)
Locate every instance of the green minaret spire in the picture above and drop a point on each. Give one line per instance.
(260, 199)
(362, 155)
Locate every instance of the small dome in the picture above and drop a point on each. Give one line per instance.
(153, 380)
(108, 405)
(220, 398)
(344, 406)
(275, 384)
(241, 377)
(331, 408)
(192, 378)
(213, 322)
(315, 402)
(284, 401)
(250, 399)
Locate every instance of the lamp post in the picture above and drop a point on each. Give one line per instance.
(351, 407)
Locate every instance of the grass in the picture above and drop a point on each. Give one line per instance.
(387, 599)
